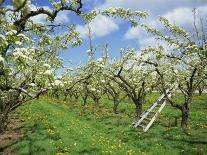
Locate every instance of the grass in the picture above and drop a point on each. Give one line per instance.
(57, 127)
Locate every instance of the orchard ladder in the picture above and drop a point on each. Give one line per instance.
(146, 121)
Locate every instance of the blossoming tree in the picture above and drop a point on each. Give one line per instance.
(183, 61)
(27, 64)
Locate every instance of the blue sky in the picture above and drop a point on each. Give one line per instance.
(179, 11)
(118, 33)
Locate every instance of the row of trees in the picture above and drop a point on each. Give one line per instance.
(29, 58)
(136, 75)
(180, 63)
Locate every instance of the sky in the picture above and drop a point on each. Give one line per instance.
(118, 33)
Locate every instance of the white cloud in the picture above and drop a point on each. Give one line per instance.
(142, 37)
(39, 18)
(62, 17)
(155, 7)
(100, 26)
(182, 16)
(134, 33)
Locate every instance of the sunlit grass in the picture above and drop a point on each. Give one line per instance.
(57, 127)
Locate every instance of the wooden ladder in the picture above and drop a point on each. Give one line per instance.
(146, 122)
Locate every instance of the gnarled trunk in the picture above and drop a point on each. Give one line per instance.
(138, 110)
(138, 106)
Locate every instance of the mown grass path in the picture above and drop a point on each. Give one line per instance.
(68, 128)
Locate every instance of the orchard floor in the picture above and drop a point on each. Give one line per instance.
(54, 127)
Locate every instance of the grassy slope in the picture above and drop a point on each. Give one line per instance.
(57, 127)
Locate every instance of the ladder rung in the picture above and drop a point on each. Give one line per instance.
(134, 122)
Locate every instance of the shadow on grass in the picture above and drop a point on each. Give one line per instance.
(190, 141)
(36, 141)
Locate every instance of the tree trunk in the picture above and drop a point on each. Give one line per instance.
(65, 96)
(185, 111)
(138, 105)
(96, 100)
(138, 110)
(185, 115)
(3, 121)
(116, 103)
(85, 97)
(200, 90)
(76, 96)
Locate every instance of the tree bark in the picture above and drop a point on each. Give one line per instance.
(96, 100)
(138, 110)
(185, 111)
(3, 121)
(76, 96)
(200, 90)
(85, 97)
(185, 115)
(138, 107)
(116, 103)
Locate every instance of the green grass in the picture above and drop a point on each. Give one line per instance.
(56, 127)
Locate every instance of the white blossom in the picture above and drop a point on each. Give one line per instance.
(18, 43)
(48, 72)
(12, 32)
(93, 89)
(59, 77)
(32, 84)
(71, 69)
(18, 53)
(3, 37)
(103, 81)
(46, 65)
(1, 59)
(20, 35)
(100, 59)
(58, 83)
